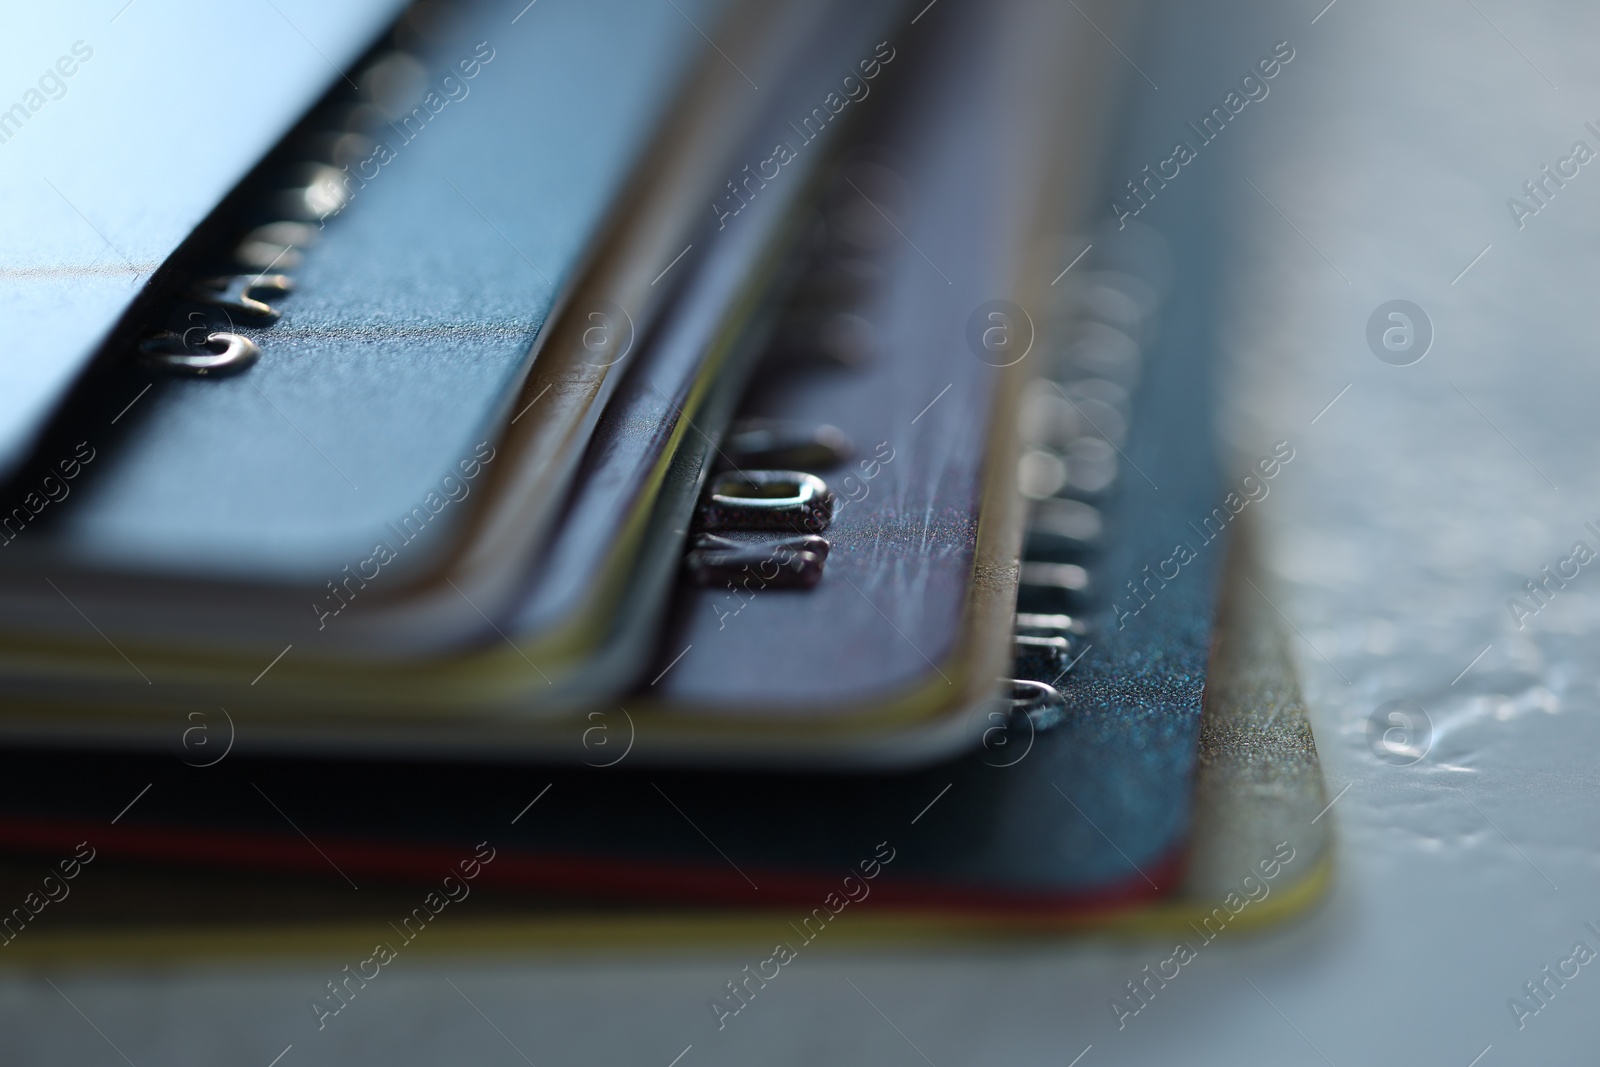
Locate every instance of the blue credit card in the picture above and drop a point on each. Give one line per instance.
(144, 93)
(462, 188)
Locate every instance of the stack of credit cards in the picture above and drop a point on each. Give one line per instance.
(690, 452)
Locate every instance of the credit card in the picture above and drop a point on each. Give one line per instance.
(176, 132)
(406, 305)
(1036, 830)
(673, 370)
